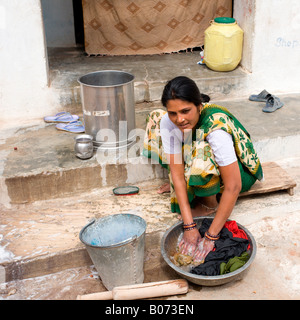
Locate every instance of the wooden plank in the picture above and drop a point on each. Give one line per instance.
(275, 179)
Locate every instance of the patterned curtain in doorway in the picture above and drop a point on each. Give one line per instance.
(132, 27)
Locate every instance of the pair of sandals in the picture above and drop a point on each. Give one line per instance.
(272, 103)
(66, 122)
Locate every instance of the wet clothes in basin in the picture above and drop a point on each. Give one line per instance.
(233, 242)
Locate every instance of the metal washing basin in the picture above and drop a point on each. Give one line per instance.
(168, 248)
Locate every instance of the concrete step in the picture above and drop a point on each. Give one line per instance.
(44, 165)
(42, 238)
(151, 74)
(47, 194)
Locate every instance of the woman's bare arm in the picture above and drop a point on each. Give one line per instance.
(179, 182)
(190, 237)
(231, 178)
(232, 186)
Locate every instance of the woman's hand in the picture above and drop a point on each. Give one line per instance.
(205, 246)
(188, 244)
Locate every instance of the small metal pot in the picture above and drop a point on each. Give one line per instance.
(84, 146)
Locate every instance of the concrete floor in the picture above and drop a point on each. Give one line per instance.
(50, 228)
(48, 195)
(39, 243)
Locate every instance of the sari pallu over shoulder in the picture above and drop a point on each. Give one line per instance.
(214, 117)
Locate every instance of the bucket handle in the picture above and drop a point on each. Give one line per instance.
(125, 241)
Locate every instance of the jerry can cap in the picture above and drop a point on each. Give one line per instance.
(224, 20)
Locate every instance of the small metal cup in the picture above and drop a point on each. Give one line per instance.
(84, 146)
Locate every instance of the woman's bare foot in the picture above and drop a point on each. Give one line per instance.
(200, 210)
(165, 188)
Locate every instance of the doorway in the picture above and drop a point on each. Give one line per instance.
(78, 22)
(63, 23)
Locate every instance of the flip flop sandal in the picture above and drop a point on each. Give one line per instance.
(261, 97)
(63, 117)
(273, 103)
(73, 126)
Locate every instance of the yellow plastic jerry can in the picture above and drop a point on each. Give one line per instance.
(223, 44)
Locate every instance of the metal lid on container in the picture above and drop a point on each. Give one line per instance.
(226, 20)
(126, 191)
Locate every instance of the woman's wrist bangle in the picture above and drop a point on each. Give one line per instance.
(189, 226)
(211, 237)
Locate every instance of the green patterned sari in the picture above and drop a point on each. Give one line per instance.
(200, 168)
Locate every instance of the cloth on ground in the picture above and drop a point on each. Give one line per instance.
(234, 263)
(229, 245)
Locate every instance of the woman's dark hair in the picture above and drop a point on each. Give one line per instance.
(185, 89)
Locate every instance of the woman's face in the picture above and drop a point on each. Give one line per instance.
(183, 114)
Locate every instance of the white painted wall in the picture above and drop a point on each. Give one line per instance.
(244, 13)
(24, 91)
(272, 43)
(271, 54)
(277, 62)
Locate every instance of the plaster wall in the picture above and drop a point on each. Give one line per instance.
(271, 54)
(244, 13)
(271, 50)
(24, 91)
